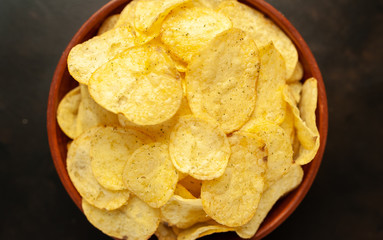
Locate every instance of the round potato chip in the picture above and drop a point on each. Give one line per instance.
(134, 221)
(280, 188)
(111, 147)
(142, 84)
(262, 30)
(81, 175)
(202, 229)
(67, 112)
(199, 148)
(189, 28)
(232, 199)
(108, 24)
(182, 212)
(90, 114)
(221, 80)
(85, 58)
(150, 174)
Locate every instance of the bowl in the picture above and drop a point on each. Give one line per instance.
(62, 82)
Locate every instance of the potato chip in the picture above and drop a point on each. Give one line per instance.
(85, 58)
(270, 105)
(134, 221)
(150, 14)
(192, 185)
(232, 199)
(213, 4)
(280, 188)
(288, 125)
(221, 80)
(183, 192)
(127, 15)
(304, 121)
(199, 148)
(188, 29)
(149, 174)
(90, 114)
(142, 84)
(202, 229)
(262, 29)
(67, 112)
(111, 147)
(296, 89)
(81, 175)
(278, 146)
(108, 24)
(160, 132)
(182, 212)
(164, 232)
(297, 74)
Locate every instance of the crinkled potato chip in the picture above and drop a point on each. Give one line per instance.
(111, 147)
(90, 114)
(142, 83)
(81, 175)
(160, 132)
(182, 212)
(85, 58)
(296, 89)
(280, 188)
(192, 185)
(189, 28)
(108, 24)
(202, 229)
(199, 148)
(297, 74)
(164, 232)
(67, 112)
(232, 199)
(221, 80)
(134, 221)
(280, 153)
(150, 174)
(150, 14)
(270, 105)
(262, 29)
(183, 192)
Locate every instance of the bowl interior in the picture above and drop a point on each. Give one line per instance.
(62, 82)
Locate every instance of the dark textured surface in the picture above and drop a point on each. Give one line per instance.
(346, 200)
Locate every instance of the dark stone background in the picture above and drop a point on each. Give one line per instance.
(346, 199)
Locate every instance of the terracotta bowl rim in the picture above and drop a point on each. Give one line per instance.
(285, 206)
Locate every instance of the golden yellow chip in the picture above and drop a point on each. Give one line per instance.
(280, 153)
(149, 174)
(288, 125)
(188, 29)
(232, 199)
(304, 120)
(149, 14)
(127, 15)
(192, 185)
(160, 132)
(142, 84)
(134, 221)
(202, 229)
(297, 74)
(81, 175)
(108, 24)
(183, 192)
(213, 4)
(199, 148)
(296, 89)
(221, 80)
(85, 58)
(262, 29)
(164, 232)
(110, 149)
(67, 112)
(270, 105)
(280, 188)
(182, 212)
(90, 114)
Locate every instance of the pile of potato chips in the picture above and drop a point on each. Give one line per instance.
(190, 119)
